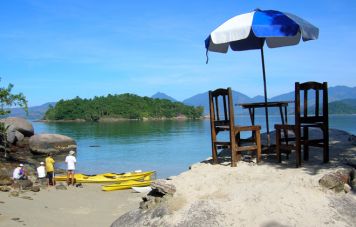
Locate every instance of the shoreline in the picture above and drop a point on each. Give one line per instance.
(110, 120)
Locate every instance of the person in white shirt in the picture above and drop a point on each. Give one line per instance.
(19, 173)
(41, 173)
(71, 161)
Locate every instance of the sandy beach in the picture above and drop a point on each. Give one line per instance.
(268, 194)
(87, 206)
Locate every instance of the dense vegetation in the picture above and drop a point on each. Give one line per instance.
(345, 106)
(128, 106)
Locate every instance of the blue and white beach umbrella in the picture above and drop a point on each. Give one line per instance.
(252, 30)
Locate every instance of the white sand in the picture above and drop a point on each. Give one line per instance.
(261, 195)
(75, 207)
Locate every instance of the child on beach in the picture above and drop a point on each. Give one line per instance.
(71, 161)
(50, 169)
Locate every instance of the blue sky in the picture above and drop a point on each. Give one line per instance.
(60, 49)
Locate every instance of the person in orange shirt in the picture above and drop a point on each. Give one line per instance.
(50, 169)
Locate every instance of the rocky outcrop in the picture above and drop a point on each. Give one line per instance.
(5, 180)
(19, 124)
(152, 208)
(339, 181)
(51, 143)
(23, 184)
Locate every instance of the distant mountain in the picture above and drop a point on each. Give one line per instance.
(34, 113)
(202, 99)
(341, 92)
(160, 95)
(283, 97)
(258, 98)
(336, 93)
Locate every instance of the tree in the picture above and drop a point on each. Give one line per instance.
(7, 99)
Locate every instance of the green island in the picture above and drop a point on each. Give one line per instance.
(123, 106)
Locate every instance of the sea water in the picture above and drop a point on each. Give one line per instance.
(169, 147)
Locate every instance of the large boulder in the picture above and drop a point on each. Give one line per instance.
(23, 184)
(5, 180)
(19, 124)
(51, 143)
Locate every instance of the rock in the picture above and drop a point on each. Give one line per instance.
(23, 184)
(19, 124)
(160, 193)
(163, 187)
(11, 134)
(61, 187)
(5, 188)
(6, 180)
(140, 217)
(337, 180)
(19, 136)
(347, 188)
(35, 188)
(352, 139)
(51, 143)
(353, 184)
(201, 213)
(23, 143)
(14, 193)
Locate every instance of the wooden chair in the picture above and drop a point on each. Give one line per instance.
(224, 121)
(310, 117)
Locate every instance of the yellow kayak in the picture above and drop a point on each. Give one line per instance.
(107, 177)
(126, 185)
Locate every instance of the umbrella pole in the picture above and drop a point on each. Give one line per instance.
(265, 93)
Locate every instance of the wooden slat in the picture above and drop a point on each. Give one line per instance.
(247, 148)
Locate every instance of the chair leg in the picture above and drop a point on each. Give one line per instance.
(298, 152)
(233, 156)
(306, 143)
(278, 145)
(215, 153)
(326, 145)
(258, 144)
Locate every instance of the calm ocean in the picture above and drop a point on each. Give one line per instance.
(169, 147)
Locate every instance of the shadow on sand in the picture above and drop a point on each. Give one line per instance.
(342, 151)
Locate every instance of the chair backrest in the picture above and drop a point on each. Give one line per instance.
(221, 109)
(311, 103)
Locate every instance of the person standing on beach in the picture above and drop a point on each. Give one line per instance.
(50, 169)
(71, 161)
(41, 173)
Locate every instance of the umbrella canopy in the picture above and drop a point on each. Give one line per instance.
(252, 30)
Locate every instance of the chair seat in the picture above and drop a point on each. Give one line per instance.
(247, 128)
